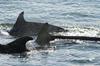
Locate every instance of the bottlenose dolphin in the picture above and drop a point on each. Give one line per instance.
(43, 37)
(24, 28)
(17, 46)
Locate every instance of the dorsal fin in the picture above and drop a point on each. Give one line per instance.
(20, 18)
(20, 22)
(16, 46)
(20, 41)
(43, 37)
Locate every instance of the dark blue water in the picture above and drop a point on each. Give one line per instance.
(80, 17)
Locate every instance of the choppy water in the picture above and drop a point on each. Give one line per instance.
(81, 17)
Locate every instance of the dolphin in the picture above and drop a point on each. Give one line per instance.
(43, 37)
(24, 28)
(17, 46)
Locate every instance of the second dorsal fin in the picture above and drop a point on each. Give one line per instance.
(43, 37)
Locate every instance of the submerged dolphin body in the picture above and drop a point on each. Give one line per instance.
(24, 28)
(17, 46)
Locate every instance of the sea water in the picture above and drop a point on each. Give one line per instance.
(80, 17)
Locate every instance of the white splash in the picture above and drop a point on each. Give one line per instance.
(30, 45)
(3, 32)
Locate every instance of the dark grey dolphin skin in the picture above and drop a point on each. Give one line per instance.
(17, 46)
(24, 28)
(43, 36)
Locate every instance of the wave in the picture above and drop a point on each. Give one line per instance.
(78, 14)
(6, 26)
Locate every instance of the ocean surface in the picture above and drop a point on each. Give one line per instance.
(80, 17)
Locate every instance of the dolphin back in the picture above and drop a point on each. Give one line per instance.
(24, 28)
